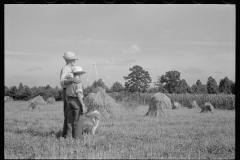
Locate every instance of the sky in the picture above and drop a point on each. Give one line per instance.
(196, 40)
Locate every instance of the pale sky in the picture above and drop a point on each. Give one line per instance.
(196, 40)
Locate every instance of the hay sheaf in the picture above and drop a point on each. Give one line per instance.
(8, 99)
(194, 104)
(159, 105)
(208, 107)
(100, 101)
(97, 89)
(37, 103)
(51, 100)
(176, 105)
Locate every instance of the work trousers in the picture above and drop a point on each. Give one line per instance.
(65, 104)
(74, 110)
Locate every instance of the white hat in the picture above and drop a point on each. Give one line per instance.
(69, 56)
(77, 69)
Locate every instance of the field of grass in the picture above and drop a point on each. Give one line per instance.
(186, 134)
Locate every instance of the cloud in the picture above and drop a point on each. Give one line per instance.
(114, 62)
(113, 78)
(225, 56)
(27, 54)
(108, 77)
(20, 76)
(189, 70)
(34, 68)
(218, 72)
(204, 43)
(133, 50)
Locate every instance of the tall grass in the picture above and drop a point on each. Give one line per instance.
(219, 101)
(187, 134)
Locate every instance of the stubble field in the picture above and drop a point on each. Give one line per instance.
(186, 134)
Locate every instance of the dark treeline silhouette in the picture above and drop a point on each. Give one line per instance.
(168, 83)
(23, 92)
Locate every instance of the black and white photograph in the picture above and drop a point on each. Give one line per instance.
(119, 81)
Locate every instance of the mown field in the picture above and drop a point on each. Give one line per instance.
(186, 134)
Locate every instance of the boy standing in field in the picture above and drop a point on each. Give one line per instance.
(76, 106)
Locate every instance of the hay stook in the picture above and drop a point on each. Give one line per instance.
(100, 101)
(208, 107)
(159, 105)
(194, 104)
(176, 105)
(51, 100)
(8, 99)
(37, 103)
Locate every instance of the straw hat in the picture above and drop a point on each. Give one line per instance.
(78, 69)
(69, 56)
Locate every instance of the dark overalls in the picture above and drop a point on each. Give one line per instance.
(73, 112)
(64, 96)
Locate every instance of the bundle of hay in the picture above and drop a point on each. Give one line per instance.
(159, 105)
(207, 108)
(51, 100)
(100, 101)
(194, 104)
(176, 105)
(37, 103)
(97, 89)
(7, 99)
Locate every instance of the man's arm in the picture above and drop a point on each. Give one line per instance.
(66, 79)
(69, 80)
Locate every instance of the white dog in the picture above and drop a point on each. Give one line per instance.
(89, 121)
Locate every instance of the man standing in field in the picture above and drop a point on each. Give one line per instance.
(66, 78)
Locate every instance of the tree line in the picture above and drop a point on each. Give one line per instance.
(137, 81)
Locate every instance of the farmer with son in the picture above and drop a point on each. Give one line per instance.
(76, 106)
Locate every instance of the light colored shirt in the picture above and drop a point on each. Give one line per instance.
(73, 89)
(66, 73)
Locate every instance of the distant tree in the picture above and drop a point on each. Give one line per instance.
(160, 86)
(212, 87)
(153, 90)
(189, 90)
(59, 97)
(183, 87)
(34, 91)
(232, 84)
(20, 92)
(116, 87)
(194, 88)
(41, 92)
(13, 91)
(98, 83)
(87, 90)
(47, 87)
(27, 93)
(225, 86)
(6, 91)
(171, 81)
(138, 80)
(55, 93)
(198, 83)
(200, 88)
(49, 92)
